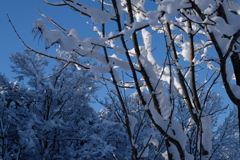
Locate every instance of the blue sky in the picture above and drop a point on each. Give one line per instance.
(22, 14)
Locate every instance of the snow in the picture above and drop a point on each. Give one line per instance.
(69, 43)
(203, 5)
(235, 89)
(165, 155)
(207, 133)
(116, 75)
(154, 141)
(119, 50)
(171, 7)
(119, 63)
(119, 7)
(209, 10)
(229, 72)
(147, 39)
(164, 124)
(51, 36)
(174, 151)
(97, 77)
(185, 51)
(158, 87)
(153, 17)
(221, 27)
(73, 33)
(97, 16)
(99, 69)
(133, 121)
(177, 85)
(180, 136)
(38, 23)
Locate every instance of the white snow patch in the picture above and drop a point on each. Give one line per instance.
(207, 133)
(235, 89)
(99, 69)
(133, 122)
(73, 33)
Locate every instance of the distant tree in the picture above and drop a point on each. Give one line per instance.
(225, 132)
(9, 99)
(52, 119)
(224, 138)
(225, 142)
(145, 137)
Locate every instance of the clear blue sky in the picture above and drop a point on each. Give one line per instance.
(22, 13)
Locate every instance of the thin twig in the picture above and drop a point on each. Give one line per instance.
(57, 72)
(44, 54)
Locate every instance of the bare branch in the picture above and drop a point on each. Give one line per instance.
(45, 54)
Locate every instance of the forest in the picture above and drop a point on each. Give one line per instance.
(154, 67)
